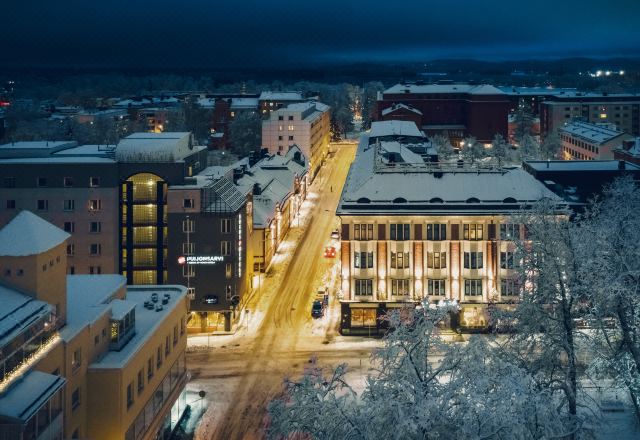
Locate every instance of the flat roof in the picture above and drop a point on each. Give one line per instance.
(593, 133)
(27, 234)
(26, 397)
(147, 322)
(58, 160)
(280, 96)
(580, 165)
(88, 150)
(472, 89)
(37, 145)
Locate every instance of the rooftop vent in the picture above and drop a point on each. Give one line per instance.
(363, 200)
(399, 200)
(436, 200)
(472, 200)
(509, 200)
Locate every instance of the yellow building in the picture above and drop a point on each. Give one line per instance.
(92, 358)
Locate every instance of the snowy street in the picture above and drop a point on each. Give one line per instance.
(277, 336)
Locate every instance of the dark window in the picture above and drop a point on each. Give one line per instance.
(399, 232)
(188, 203)
(225, 225)
(42, 181)
(69, 227)
(11, 204)
(280, 118)
(71, 249)
(43, 205)
(509, 287)
(364, 287)
(95, 249)
(9, 182)
(473, 287)
(94, 181)
(75, 399)
(436, 287)
(290, 138)
(95, 227)
(363, 232)
(363, 260)
(473, 260)
(510, 231)
(129, 395)
(436, 232)
(291, 118)
(95, 205)
(507, 260)
(67, 181)
(400, 287)
(69, 205)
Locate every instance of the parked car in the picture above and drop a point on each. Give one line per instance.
(323, 296)
(317, 309)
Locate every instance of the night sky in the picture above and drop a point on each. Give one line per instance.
(250, 33)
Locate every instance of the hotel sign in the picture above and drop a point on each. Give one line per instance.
(200, 259)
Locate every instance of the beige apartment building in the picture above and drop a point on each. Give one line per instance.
(585, 141)
(91, 357)
(305, 124)
(415, 229)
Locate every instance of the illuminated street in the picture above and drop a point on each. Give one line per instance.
(277, 336)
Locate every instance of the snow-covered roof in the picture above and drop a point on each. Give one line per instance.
(121, 308)
(280, 96)
(536, 91)
(394, 128)
(592, 133)
(88, 299)
(88, 150)
(227, 197)
(399, 152)
(384, 188)
(18, 312)
(472, 89)
(38, 145)
(635, 148)
(579, 165)
(207, 102)
(244, 103)
(147, 322)
(28, 234)
(28, 394)
(57, 159)
(400, 106)
(155, 147)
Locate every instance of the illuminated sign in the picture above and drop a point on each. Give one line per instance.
(200, 259)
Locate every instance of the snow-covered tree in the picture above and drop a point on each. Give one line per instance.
(529, 147)
(443, 146)
(473, 151)
(545, 266)
(499, 149)
(550, 147)
(524, 121)
(423, 388)
(369, 99)
(610, 271)
(245, 133)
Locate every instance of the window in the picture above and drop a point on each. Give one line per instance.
(75, 399)
(129, 395)
(436, 287)
(9, 182)
(436, 260)
(95, 205)
(159, 357)
(150, 368)
(188, 225)
(182, 325)
(290, 118)
(225, 225)
(473, 287)
(69, 227)
(67, 181)
(69, 205)
(188, 271)
(71, 250)
(364, 287)
(95, 270)
(225, 247)
(140, 380)
(400, 287)
(20, 272)
(43, 205)
(399, 260)
(509, 287)
(11, 204)
(188, 248)
(363, 232)
(76, 359)
(95, 227)
(510, 231)
(363, 317)
(96, 340)
(363, 260)
(175, 335)
(42, 182)
(279, 138)
(436, 232)
(167, 347)
(290, 138)
(228, 270)
(95, 249)
(280, 118)
(188, 203)
(399, 232)
(472, 231)
(507, 260)
(7, 272)
(291, 128)
(94, 181)
(473, 260)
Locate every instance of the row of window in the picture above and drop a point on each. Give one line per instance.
(436, 231)
(189, 225)
(281, 118)
(95, 249)
(435, 260)
(43, 182)
(158, 363)
(190, 248)
(437, 287)
(68, 205)
(94, 227)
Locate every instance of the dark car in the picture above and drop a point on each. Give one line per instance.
(317, 309)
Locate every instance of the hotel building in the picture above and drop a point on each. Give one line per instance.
(413, 229)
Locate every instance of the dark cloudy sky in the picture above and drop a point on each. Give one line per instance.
(221, 33)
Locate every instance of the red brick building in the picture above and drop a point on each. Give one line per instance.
(454, 110)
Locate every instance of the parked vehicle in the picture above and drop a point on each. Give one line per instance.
(335, 234)
(317, 309)
(323, 296)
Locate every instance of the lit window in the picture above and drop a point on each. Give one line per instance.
(436, 260)
(472, 231)
(400, 287)
(95, 205)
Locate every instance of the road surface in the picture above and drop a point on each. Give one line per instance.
(241, 373)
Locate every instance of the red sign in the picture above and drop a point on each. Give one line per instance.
(182, 260)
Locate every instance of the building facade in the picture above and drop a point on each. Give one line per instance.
(585, 141)
(414, 230)
(306, 125)
(453, 110)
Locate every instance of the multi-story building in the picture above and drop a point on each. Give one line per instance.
(270, 101)
(83, 356)
(112, 201)
(224, 109)
(305, 124)
(412, 230)
(450, 109)
(623, 110)
(586, 141)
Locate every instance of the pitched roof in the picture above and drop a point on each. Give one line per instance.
(394, 128)
(400, 106)
(28, 234)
